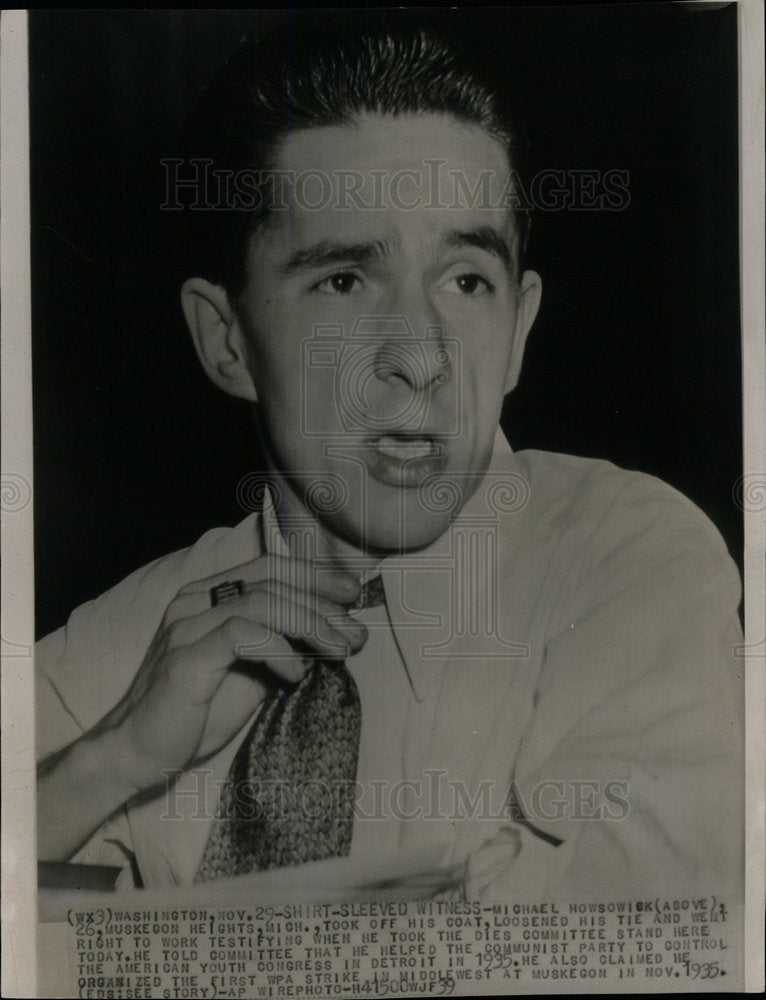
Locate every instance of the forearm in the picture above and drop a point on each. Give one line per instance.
(78, 788)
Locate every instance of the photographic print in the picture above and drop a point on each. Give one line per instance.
(389, 500)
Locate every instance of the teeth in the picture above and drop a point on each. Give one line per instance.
(403, 448)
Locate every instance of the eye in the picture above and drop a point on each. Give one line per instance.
(470, 285)
(340, 283)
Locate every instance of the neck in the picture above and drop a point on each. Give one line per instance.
(307, 537)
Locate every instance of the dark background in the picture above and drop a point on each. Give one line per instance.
(635, 356)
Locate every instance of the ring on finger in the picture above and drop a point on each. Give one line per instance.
(226, 591)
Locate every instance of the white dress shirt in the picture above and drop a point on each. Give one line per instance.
(571, 637)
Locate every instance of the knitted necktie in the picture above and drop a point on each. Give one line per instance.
(289, 796)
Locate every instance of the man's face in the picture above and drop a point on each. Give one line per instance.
(384, 325)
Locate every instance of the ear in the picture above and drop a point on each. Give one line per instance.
(528, 303)
(218, 338)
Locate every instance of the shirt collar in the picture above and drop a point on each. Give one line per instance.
(272, 539)
(439, 598)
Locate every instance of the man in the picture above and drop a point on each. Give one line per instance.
(525, 660)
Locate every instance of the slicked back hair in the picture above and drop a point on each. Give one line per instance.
(319, 76)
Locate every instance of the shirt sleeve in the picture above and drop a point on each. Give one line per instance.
(83, 669)
(630, 774)
(75, 686)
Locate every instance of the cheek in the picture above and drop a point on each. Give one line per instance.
(485, 361)
(274, 354)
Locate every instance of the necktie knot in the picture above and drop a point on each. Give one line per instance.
(372, 594)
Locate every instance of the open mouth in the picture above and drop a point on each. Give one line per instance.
(404, 460)
(405, 446)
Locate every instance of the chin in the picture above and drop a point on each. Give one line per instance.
(387, 533)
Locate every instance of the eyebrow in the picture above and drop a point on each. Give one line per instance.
(327, 252)
(483, 238)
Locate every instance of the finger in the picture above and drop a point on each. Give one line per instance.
(299, 622)
(334, 635)
(306, 575)
(194, 602)
(289, 612)
(291, 602)
(199, 670)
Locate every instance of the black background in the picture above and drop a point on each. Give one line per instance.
(635, 356)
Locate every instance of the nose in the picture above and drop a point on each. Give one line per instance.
(412, 348)
(418, 362)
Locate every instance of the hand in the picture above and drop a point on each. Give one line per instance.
(186, 701)
(414, 873)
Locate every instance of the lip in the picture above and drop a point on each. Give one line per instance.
(404, 470)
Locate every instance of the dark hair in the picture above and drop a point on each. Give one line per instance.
(315, 76)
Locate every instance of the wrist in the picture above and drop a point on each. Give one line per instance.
(77, 789)
(105, 761)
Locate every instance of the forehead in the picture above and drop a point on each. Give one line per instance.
(414, 176)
